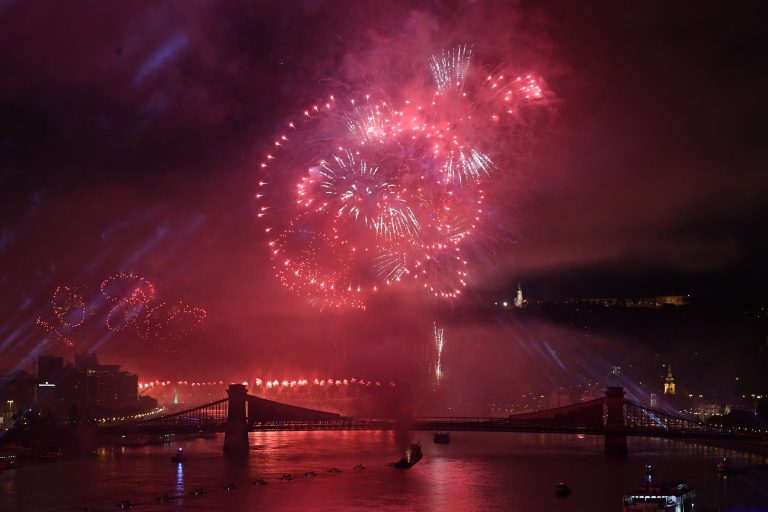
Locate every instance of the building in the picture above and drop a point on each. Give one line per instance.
(656, 302)
(87, 388)
(672, 300)
(17, 393)
(51, 374)
(519, 300)
(669, 382)
(115, 390)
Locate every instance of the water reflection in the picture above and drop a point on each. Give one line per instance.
(179, 486)
(476, 471)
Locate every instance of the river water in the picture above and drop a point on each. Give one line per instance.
(476, 471)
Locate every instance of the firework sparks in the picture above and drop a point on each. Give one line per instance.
(467, 167)
(128, 300)
(370, 125)
(449, 69)
(172, 327)
(69, 307)
(129, 295)
(360, 192)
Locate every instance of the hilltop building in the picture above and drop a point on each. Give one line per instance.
(669, 382)
(520, 302)
(656, 302)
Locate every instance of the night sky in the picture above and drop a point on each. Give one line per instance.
(131, 132)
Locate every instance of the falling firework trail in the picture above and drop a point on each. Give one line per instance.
(449, 69)
(439, 339)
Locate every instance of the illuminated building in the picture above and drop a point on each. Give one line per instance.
(672, 300)
(519, 300)
(116, 389)
(706, 410)
(656, 302)
(669, 382)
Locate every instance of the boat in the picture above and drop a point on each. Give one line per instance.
(412, 456)
(724, 467)
(562, 490)
(260, 481)
(652, 496)
(441, 438)
(179, 457)
(8, 461)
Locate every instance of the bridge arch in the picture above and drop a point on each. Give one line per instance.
(612, 416)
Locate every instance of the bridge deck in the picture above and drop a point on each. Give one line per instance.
(581, 418)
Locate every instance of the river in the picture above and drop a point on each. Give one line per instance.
(476, 471)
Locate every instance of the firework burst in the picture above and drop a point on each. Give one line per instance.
(389, 191)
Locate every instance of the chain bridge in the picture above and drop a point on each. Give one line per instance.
(612, 416)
